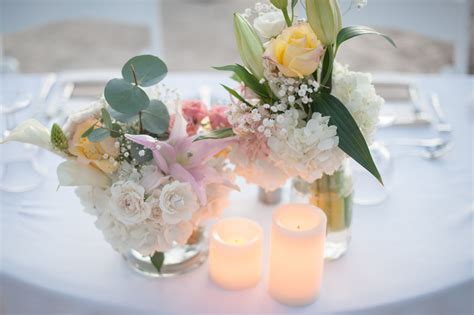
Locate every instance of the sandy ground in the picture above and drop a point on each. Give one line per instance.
(197, 37)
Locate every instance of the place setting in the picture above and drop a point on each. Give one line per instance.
(285, 182)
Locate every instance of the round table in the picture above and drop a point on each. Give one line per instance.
(414, 252)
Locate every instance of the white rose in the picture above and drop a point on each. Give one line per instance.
(178, 202)
(270, 24)
(128, 204)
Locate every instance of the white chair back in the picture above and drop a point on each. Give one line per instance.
(17, 15)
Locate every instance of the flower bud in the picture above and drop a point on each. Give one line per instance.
(249, 44)
(58, 138)
(280, 4)
(325, 19)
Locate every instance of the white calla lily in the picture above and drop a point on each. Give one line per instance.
(33, 132)
(73, 173)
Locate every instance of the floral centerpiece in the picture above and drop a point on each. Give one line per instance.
(298, 113)
(141, 171)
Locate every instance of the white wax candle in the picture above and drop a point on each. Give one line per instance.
(296, 253)
(235, 253)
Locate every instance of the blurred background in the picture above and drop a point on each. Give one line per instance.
(433, 36)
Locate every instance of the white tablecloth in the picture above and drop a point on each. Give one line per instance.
(412, 254)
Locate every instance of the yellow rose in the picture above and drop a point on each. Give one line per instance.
(94, 153)
(296, 51)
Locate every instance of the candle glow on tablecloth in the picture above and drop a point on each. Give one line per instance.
(296, 253)
(235, 253)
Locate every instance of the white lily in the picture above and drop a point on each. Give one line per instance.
(73, 173)
(33, 132)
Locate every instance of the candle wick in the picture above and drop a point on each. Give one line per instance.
(298, 227)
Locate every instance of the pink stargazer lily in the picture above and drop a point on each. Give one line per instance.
(184, 159)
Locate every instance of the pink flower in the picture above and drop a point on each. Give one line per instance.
(185, 159)
(218, 117)
(194, 111)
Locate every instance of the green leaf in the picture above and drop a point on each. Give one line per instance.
(149, 70)
(294, 3)
(135, 151)
(236, 95)
(351, 140)
(236, 78)
(349, 32)
(116, 130)
(156, 118)
(157, 260)
(247, 78)
(125, 118)
(326, 71)
(106, 118)
(98, 135)
(217, 134)
(125, 97)
(88, 131)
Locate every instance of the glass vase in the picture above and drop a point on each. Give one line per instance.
(178, 260)
(334, 195)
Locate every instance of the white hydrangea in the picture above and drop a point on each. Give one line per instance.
(307, 151)
(356, 91)
(95, 200)
(115, 232)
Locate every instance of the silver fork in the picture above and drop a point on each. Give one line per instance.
(442, 125)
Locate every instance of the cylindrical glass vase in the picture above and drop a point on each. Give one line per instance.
(334, 195)
(178, 260)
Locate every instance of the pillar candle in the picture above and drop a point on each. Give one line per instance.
(235, 253)
(296, 253)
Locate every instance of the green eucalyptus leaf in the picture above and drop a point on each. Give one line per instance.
(247, 78)
(149, 70)
(217, 134)
(156, 118)
(351, 140)
(349, 32)
(125, 118)
(88, 131)
(236, 95)
(140, 153)
(106, 119)
(157, 260)
(98, 135)
(125, 97)
(116, 130)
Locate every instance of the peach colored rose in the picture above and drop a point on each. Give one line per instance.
(99, 154)
(296, 51)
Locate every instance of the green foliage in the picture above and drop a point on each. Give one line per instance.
(116, 130)
(149, 70)
(58, 138)
(125, 97)
(236, 95)
(156, 118)
(217, 134)
(98, 135)
(157, 260)
(248, 79)
(106, 119)
(351, 140)
(280, 4)
(349, 32)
